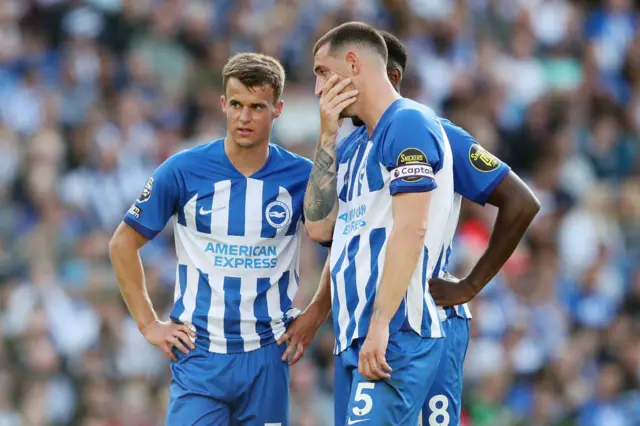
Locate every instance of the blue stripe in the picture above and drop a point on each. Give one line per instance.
(201, 312)
(458, 310)
(203, 221)
(283, 286)
(374, 173)
(232, 315)
(446, 262)
(182, 220)
(437, 274)
(400, 320)
(355, 176)
(426, 318)
(178, 308)
(362, 173)
(351, 284)
(377, 238)
(345, 188)
(269, 194)
(336, 300)
(425, 261)
(297, 203)
(237, 203)
(437, 268)
(261, 309)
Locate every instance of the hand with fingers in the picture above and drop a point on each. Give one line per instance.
(372, 363)
(449, 291)
(300, 333)
(332, 102)
(168, 334)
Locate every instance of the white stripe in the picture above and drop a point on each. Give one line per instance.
(415, 296)
(343, 314)
(248, 291)
(285, 197)
(277, 325)
(190, 293)
(342, 171)
(436, 330)
(442, 314)
(467, 311)
(365, 161)
(292, 289)
(177, 292)
(253, 209)
(215, 325)
(273, 306)
(190, 212)
(220, 207)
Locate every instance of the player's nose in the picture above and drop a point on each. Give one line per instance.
(245, 115)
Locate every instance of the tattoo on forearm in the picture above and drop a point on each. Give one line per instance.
(321, 193)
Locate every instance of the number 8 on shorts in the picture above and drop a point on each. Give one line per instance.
(438, 406)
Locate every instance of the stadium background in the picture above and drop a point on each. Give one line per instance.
(94, 94)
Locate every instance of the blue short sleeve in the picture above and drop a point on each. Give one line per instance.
(476, 172)
(158, 201)
(412, 151)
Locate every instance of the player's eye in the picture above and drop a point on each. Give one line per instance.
(258, 107)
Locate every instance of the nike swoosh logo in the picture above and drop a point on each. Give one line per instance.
(353, 422)
(203, 211)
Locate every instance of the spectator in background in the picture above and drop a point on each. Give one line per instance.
(95, 93)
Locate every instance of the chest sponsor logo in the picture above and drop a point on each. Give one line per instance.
(236, 256)
(353, 219)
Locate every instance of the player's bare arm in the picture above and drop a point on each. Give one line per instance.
(124, 252)
(321, 198)
(406, 242)
(304, 328)
(517, 206)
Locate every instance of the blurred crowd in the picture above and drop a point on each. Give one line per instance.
(94, 94)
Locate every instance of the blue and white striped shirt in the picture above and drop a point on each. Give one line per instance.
(476, 174)
(237, 242)
(407, 152)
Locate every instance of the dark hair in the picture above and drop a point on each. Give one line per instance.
(353, 32)
(255, 69)
(396, 51)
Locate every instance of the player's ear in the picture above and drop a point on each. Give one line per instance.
(223, 104)
(394, 77)
(278, 109)
(353, 63)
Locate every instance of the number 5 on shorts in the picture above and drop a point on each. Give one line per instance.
(361, 396)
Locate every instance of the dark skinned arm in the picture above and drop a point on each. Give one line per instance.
(517, 206)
